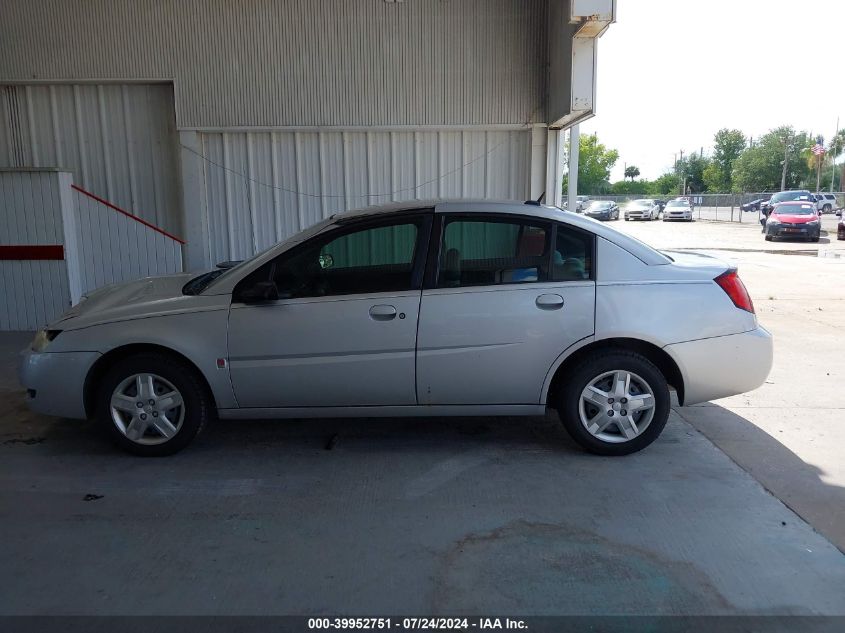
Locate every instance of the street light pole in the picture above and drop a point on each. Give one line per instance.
(833, 156)
(785, 163)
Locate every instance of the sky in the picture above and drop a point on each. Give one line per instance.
(673, 72)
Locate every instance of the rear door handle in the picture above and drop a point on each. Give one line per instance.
(382, 313)
(549, 302)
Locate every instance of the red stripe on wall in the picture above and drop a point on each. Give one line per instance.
(114, 207)
(43, 251)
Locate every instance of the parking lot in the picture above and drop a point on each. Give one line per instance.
(738, 508)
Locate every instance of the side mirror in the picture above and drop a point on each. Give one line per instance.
(260, 292)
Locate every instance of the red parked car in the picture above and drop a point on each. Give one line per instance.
(793, 219)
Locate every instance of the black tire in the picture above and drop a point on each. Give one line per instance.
(768, 238)
(197, 406)
(815, 239)
(582, 374)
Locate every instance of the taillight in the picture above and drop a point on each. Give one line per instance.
(730, 282)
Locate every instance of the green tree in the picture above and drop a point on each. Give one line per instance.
(665, 184)
(714, 179)
(760, 168)
(632, 172)
(690, 169)
(727, 147)
(594, 164)
(634, 187)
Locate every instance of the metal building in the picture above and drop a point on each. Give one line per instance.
(235, 124)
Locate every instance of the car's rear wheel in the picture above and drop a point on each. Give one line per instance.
(152, 404)
(768, 238)
(614, 403)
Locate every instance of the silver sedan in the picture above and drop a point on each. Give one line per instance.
(453, 309)
(677, 210)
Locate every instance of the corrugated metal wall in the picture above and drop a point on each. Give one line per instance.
(119, 141)
(261, 187)
(297, 62)
(32, 292)
(111, 248)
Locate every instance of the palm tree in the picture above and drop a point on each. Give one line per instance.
(632, 172)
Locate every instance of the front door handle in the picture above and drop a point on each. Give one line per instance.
(382, 313)
(549, 302)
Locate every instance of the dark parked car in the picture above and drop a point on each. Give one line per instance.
(840, 230)
(602, 210)
(754, 205)
(785, 196)
(793, 219)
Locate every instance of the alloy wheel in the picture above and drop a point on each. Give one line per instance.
(147, 409)
(616, 406)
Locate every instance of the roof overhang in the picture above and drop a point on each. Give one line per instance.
(574, 26)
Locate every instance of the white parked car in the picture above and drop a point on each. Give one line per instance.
(644, 209)
(826, 202)
(677, 210)
(454, 309)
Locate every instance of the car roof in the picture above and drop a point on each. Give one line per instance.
(513, 207)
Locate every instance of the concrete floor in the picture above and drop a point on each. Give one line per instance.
(453, 516)
(789, 433)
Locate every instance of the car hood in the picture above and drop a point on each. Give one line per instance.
(596, 211)
(637, 208)
(134, 299)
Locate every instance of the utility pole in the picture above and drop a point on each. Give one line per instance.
(684, 190)
(785, 163)
(833, 156)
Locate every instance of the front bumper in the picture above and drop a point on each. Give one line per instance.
(636, 215)
(677, 215)
(55, 381)
(598, 216)
(800, 231)
(724, 365)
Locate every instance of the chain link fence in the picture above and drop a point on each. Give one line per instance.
(721, 207)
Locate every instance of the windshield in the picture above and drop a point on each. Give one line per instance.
(795, 209)
(678, 203)
(598, 206)
(640, 203)
(198, 284)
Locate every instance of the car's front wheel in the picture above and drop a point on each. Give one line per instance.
(152, 404)
(614, 403)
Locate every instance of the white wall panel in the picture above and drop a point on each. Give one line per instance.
(32, 292)
(111, 247)
(262, 187)
(119, 141)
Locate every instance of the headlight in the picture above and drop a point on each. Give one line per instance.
(772, 220)
(813, 222)
(43, 338)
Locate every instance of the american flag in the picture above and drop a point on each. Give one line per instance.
(818, 149)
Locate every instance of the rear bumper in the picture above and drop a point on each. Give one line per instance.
(55, 381)
(724, 365)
